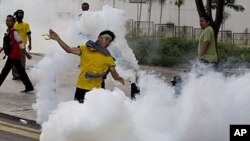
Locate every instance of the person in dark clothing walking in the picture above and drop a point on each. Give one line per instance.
(14, 55)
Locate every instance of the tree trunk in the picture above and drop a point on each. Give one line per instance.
(179, 30)
(149, 16)
(161, 11)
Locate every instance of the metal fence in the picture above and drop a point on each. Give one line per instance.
(164, 30)
(143, 29)
(241, 39)
(149, 29)
(184, 31)
(129, 27)
(225, 36)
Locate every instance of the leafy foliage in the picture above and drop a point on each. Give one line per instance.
(176, 51)
(163, 52)
(230, 4)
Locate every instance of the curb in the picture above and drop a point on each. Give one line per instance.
(20, 121)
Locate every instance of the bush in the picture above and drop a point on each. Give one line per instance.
(177, 51)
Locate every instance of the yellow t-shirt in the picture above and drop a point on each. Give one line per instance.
(22, 29)
(93, 62)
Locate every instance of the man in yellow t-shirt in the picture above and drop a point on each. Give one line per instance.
(207, 48)
(24, 31)
(95, 62)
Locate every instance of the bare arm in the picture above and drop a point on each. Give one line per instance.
(203, 50)
(115, 75)
(21, 45)
(1, 49)
(68, 49)
(29, 38)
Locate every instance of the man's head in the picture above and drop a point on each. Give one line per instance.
(10, 21)
(19, 14)
(205, 21)
(106, 37)
(85, 6)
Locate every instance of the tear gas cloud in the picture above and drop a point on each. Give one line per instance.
(207, 105)
(60, 69)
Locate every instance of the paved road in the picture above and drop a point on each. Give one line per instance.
(13, 102)
(12, 131)
(6, 136)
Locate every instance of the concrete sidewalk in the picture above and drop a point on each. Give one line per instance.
(15, 105)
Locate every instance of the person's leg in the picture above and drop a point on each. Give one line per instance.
(15, 73)
(80, 95)
(24, 77)
(6, 69)
(103, 84)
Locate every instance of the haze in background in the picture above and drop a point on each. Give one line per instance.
(208, 104)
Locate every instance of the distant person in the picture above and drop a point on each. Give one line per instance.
(207, 53)
(13, 59)
(24, 31)
(85, 7)
(95, 61)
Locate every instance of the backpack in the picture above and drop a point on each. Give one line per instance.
(7, 44)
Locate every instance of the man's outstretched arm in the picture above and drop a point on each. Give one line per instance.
(68, 49)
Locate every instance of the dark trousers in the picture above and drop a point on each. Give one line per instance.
(23, 62)
(23, 75)
(213, 64)
(103, 84)
(80, 94)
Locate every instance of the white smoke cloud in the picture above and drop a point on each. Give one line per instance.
(57, 71)
(206, 107)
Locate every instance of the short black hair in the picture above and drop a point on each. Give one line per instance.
(206, 17)
(85, 3)
(109, 33)
(19, 11)
(86, 8)
(11, 16)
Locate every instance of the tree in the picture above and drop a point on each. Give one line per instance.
(162, 2)
(179, 3)
(219, 6)
(149, 15)
(139, 10)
